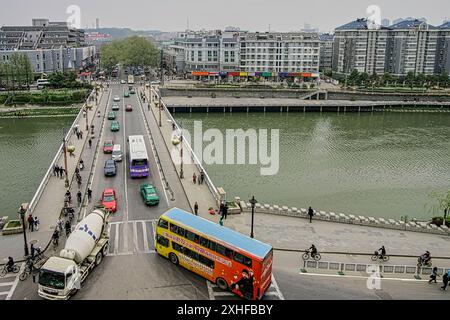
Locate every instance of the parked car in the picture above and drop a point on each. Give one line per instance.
(149, 194)
(108, 146)
(129, 108)
(115, 126)
(110, 168)
(111, 115)
(109, 200)
(116, 99)
(115, 107)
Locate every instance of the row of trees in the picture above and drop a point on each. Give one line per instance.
(411, 80)
(16, 73)
(67, 80)
(133, 51)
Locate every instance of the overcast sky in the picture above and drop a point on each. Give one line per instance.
(252, 15)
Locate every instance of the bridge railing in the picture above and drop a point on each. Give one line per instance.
(37, 196)
(197, 163)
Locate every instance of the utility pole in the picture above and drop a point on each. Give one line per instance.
(159, 107)
(162, 69)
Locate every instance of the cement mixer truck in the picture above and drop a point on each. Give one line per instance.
(61, 276)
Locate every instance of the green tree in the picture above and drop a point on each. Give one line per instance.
(363, 78)
(444, 79)
(421, 79)
(353, 77)
(387, 78)
(442, 202)
(410, 79)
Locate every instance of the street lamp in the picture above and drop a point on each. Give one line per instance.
(159, 107)
(22, 212)
(181, 152)
(253, 202)
(65, 159)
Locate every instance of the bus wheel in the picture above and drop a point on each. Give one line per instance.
(173, 258)
(222, 284)
(105, 249)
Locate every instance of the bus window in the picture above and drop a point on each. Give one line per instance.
(229, 253)
(191, 236)
(220, 249)
(194, 255)
(242, 259)
(163, 224)
(207, 262)
(162, 241)
(204, 242)
(212, 245)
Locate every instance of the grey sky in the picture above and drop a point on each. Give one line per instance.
(253, 15)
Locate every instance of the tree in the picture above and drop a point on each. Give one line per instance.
(442, 202)
(387, 77)
(363, 78)
(133, 51)
(353, 77)
(410, 79)
(421, 79)
(444, 79)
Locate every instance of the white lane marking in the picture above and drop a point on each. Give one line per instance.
(4, 293)
(359, 277)
(154, 228)
(210, 290)
(144, 233)
(4, 284)
(130, 253)
(116, 240)
(135, 238)
(275, 285)
(9, 275)
(147, 127)
(125, 216)
(16, 281)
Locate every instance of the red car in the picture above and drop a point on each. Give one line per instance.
(109, 200)
(108, 146)
(129, 108)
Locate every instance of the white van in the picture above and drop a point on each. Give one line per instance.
(117, 153)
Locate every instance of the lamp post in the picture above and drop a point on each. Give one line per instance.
(22, 217)
(65, 159)
(159, 107)
(181, 152)
(253, 202)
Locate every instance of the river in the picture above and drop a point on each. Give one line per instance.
(373, 164)
(27, 148)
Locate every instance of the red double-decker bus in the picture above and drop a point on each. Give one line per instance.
(225, 257)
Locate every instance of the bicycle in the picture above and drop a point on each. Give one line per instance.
(5, 270)
(376, 256)
(28, 269)
(307, 255)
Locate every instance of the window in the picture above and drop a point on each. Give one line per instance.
(204, 242)
(162, 241)
(220, 249)
(207, 262)
(163, 224)
(192, 236)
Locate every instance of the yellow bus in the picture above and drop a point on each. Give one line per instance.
(223, 256)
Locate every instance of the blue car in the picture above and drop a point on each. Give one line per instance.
(110, 168)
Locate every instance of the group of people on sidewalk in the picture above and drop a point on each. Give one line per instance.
(59, 171)
(33, 223)
(445, 278)
(223, 211)
(201, 178)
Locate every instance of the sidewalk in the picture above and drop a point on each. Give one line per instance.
(49, 207)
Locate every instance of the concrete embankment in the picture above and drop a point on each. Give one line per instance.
(33, 111)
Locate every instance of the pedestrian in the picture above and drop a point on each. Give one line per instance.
(194, 178)
(445, 281)
(90, 143)
(310, 214)
(84, 113)
(89, 192)
(75, 129)
(221, 221)
(433, 275)
(221, 207)
(68, 196)
(173, 126)
(59, 225)
(30, 222)
(32, 251)
(196, 208)
(79, 182)
(68, 228)
(79, 198)
(225, 211)
(202, 177)
(36, 223)
(55, 169)
(81, 135)
(77, 171)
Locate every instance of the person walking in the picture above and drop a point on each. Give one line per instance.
(225, 211)
(194, 178)
(36, 223)
(55, 169)
(445, 281)
(68, 228)
(433, 275)
(221, 208)
(202, 177)
(32, 251)
(221, 221)
(79, 181)
(196, 208)
(30, 222)
(68, 196)
(79, 198)
(310, 214)
(89, 193)
(90, 143)
(81, 135)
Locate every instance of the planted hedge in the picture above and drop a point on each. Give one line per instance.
(59, 97)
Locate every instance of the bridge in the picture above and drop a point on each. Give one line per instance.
(133, 270)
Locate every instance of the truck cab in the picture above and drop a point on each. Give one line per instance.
(56, 277)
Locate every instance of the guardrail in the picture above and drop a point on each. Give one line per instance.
(212, 188)
(370, 268)
(44, 181)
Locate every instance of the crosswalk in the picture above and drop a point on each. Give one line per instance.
(215, 293)
(8, 284)
(131, 237)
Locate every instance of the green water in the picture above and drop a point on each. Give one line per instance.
(380, 164)
(27, 148)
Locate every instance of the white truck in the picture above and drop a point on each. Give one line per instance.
(61, 277)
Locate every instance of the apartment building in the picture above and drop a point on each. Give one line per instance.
(50, 46)
(326, 52)
(443, 49)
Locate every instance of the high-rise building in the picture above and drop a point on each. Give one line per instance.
(50, 46)
(326, 52)
(443, 49)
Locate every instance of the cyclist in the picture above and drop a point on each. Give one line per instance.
(10, 264)
(425, 257)
(382, 252)
(313, 250)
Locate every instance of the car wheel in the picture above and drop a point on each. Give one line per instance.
(173, 258)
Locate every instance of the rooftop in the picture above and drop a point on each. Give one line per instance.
(411, 24)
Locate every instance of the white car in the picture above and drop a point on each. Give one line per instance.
(116, 99)
(123, 81)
